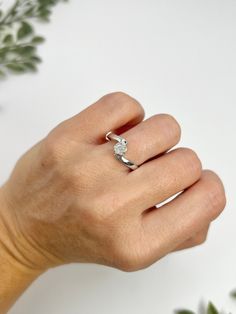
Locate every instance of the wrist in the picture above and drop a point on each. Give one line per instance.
(18, 238)
(15, 279)
(12, 244)
(16, 275)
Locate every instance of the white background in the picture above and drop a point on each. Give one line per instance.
(173, 56)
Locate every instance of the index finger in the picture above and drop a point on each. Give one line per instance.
(112, 112)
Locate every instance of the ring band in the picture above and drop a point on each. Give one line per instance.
(120, 148)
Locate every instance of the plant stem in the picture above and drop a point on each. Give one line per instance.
(22, 61)
(13, 47)
(10, 12)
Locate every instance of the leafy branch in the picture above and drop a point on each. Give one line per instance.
(18, 41)
(211, 309)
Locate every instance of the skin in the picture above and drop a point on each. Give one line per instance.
(69, 200)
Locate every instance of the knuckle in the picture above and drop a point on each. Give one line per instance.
(127, 256)
(170, 125)
(200, 239)
(128, 262)
(215, 194)
(116, 98)
(134, 106)
(128, 267)
(117, 95)
(125, 101)
(191, 161)
(52, 150)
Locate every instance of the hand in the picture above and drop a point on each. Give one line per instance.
(69, 200)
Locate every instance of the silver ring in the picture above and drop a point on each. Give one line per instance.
(120, 148)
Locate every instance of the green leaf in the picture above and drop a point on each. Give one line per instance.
(184, 312)
(2, 74)
(8, 39)
(25, 30)
(44, 14)
(3, 54)
(233, 294)
(30, 66)
(37, 40)
(35, 59)
(29, 12)
(16, 68)
(211, 309)
(25, 51)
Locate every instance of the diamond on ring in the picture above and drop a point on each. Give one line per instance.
(120, 148)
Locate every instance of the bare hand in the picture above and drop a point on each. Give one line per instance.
(69, 200)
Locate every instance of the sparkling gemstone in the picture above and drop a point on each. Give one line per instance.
(120, 148)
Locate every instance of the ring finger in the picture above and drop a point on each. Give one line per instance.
(150, 138)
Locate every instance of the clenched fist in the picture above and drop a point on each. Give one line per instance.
(70, 200)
